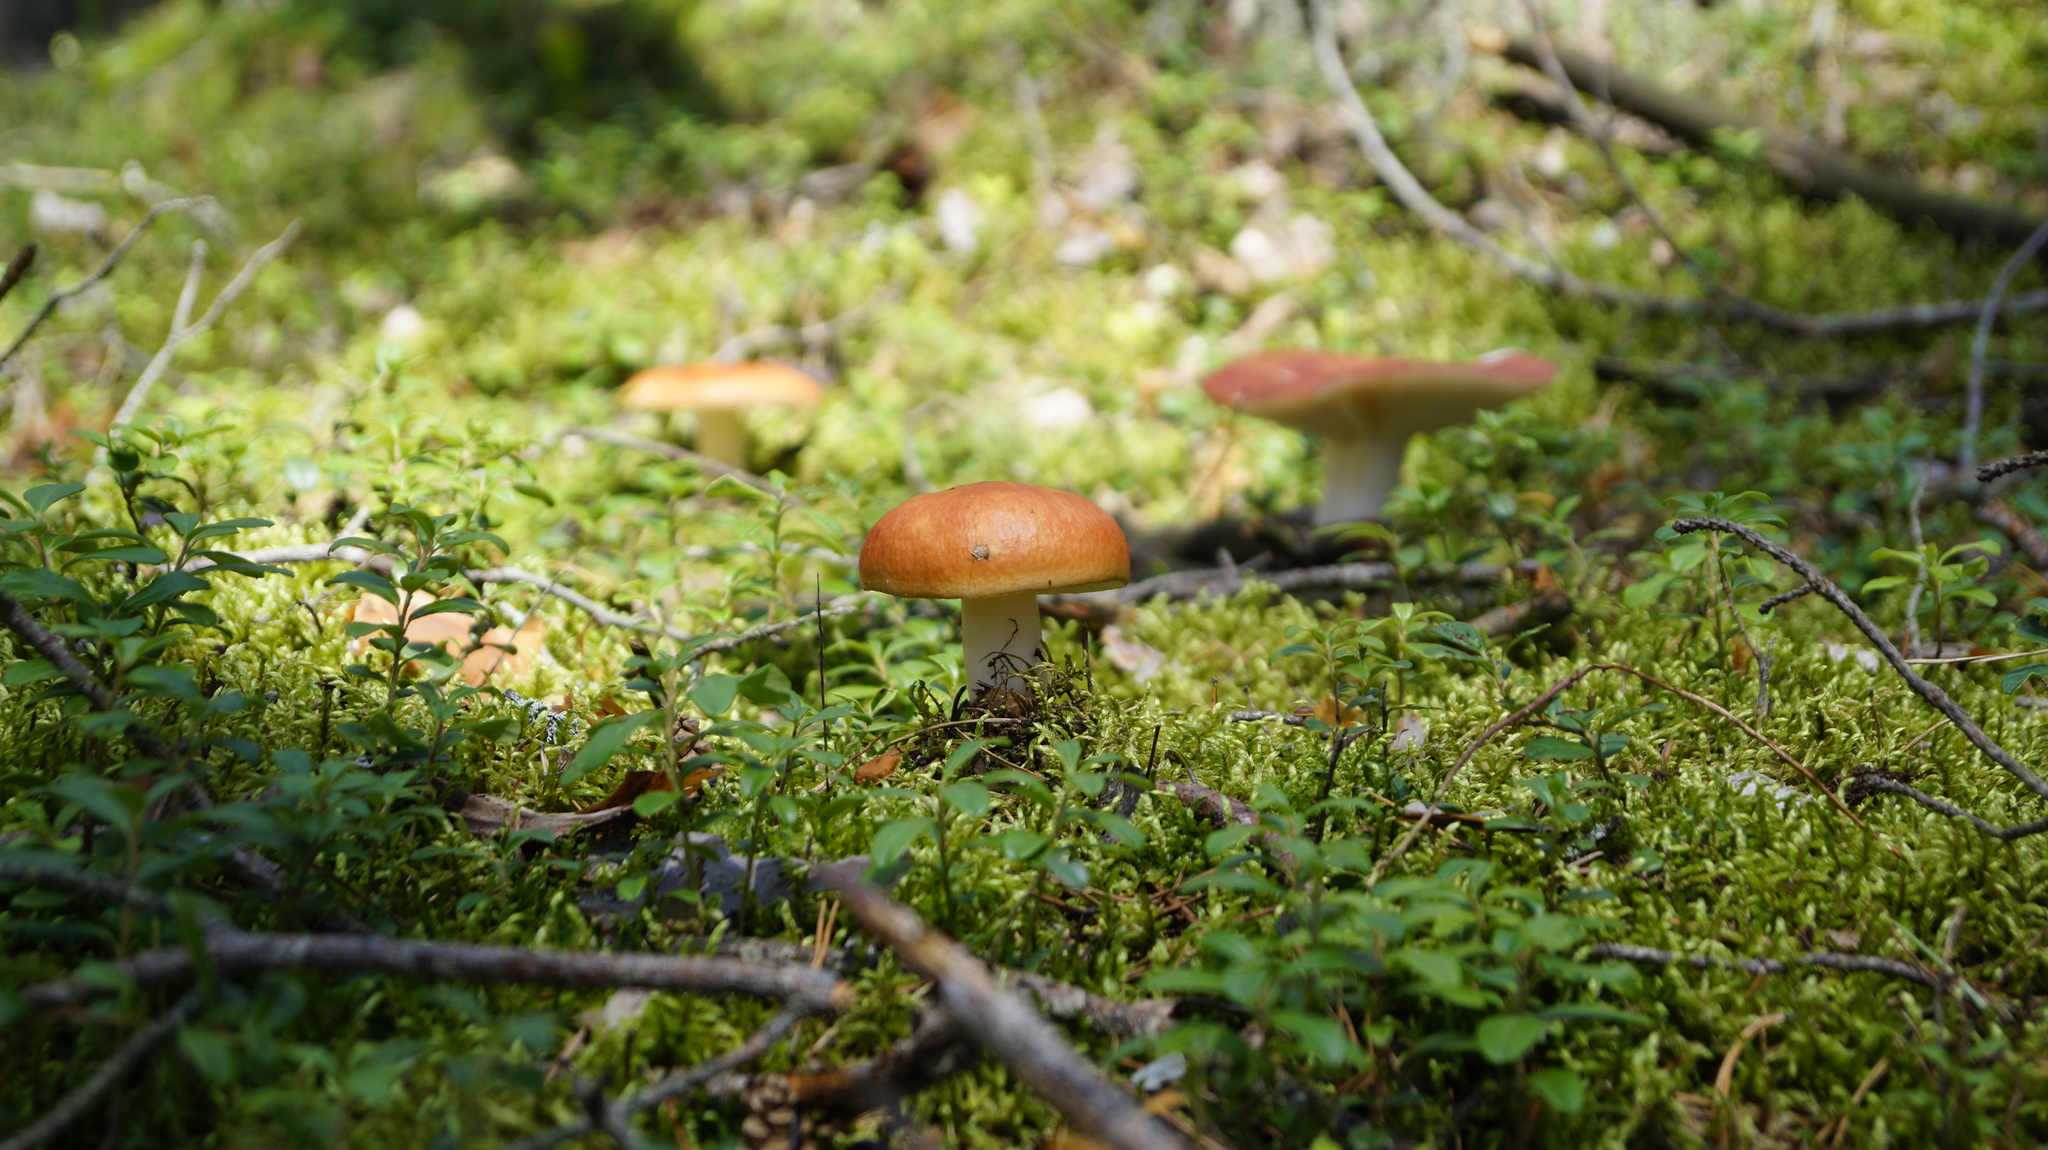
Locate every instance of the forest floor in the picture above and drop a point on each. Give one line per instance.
(1534, 823)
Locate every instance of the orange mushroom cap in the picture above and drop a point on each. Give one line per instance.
(982, 540)
(728, 386)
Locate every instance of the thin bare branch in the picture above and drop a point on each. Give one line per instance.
(236, 950)
(612, 1116)
(752, 343)
(1826, 589)
(182, 331)
(17, 268)
(1004, 1024)
(81, 1101)
(1832, 960)
(1973, 411)
(2026, 538)
(105, 269)
(2007, 466)
(1412, 195)
(700, 461)
(1865, 783)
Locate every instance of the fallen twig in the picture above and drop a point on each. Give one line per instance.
(105, 269)
(1933, 695)
(935, 1051)
(611, 1116)
(1003, 1025)
(254, 867)
(17, 268)
(76, 1104)
(752, 343)
(1412, 195)
(1224, 581)
(2026, 538)
(1826, 959)
(1564, 684)
(181, 330)
(1812, 169)
(236, 950)
(2007, 466)
(1973, 410)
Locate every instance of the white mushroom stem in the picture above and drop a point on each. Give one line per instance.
(999, 638)
(720, 436)
(1359, 473)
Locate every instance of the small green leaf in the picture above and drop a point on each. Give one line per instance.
(40, 499)
(714, 694)
(1506, 1037)
(653, 803)
(2014, 680)
(1561, 1090)
(1321, 1035)
(969, 797)
(893, 838)
(1551, 749)
(604, 742)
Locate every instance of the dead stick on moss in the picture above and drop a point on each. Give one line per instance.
(1934, 696)
(2026, 538)
(105, 269)
(2007, 466)
(1725, 1077)
(182, 330)
(1980, 343)
(1576, 108)
(235, 950)
(1543, 700)
(1417, 199)
(80, 1101)
(254, 868)
(612, 1116)
(1813, 170)
(1004, 1025)
(17, 268)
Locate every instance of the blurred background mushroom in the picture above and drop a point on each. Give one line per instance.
(1367, 407)
(995, 547)
(718, 392)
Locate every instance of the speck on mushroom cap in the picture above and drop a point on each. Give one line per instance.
(1335, 394)
(980, 540)
(700, 386)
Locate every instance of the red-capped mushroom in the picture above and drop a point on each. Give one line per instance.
(1367, 407)
(996, 547)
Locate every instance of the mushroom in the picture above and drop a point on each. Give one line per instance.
(996, 547)
(500, 652)
(717, 392)
(1367, 407)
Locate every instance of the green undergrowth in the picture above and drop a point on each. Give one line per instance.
(552, 234)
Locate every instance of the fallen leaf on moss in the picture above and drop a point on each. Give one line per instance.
(878, 768)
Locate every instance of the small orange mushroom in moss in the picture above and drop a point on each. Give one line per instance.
(718, 392)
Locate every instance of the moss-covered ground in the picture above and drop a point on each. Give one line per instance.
(493, 242)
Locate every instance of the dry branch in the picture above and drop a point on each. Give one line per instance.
(1225, 581)
(2026, 538)
(1812, 169)
(2007, 466)
(1412, 195)
(254, 867)
(76, 1104)
(1427, 815)
(17, 268)
(1004, 1025)
(611, 1116)
(105, 269)
(1934, 696)
(182, 330)
(235, 950)
(1980, 343)
(1650, 956)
